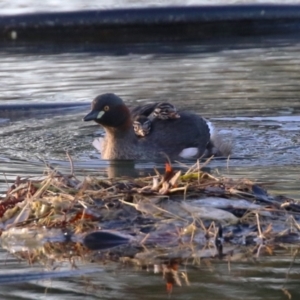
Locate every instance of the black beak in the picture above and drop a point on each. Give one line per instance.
(91, 116)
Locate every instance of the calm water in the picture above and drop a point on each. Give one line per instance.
(252, 97)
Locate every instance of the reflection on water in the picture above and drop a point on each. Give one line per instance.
(267, 277)
(251, 96)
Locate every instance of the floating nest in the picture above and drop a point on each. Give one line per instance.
(159, 220)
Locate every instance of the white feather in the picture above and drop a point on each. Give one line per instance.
(188, 152)
(211, 127)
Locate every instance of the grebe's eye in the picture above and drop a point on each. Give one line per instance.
(106, 108)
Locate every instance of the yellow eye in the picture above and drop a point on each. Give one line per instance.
(106, 108)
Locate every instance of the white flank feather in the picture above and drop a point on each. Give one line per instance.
(189, 152)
